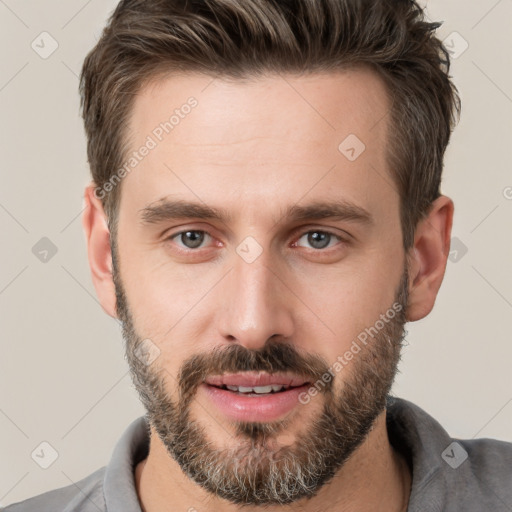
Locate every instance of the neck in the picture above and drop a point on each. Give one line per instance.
(375, 477)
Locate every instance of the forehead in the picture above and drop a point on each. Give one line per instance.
(222, 139)
(350, 99)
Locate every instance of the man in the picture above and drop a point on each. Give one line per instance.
(264, 218)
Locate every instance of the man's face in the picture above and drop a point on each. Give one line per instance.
(272, 286)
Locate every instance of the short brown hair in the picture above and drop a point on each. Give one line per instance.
(242, 38)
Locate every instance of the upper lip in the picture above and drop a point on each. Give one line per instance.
(250, 379)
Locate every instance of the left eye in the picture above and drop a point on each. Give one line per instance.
(318, 239)
(191, 239)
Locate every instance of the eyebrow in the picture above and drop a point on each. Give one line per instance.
(166, 209)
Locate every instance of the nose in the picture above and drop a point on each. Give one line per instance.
(256, 303)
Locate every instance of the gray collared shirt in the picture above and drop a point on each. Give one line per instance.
(448, 474)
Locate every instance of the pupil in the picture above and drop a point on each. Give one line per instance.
(318, 240)
(192, 239)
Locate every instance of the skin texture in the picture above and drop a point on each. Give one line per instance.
(255, 148)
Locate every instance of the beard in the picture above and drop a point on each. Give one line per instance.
(256, 470)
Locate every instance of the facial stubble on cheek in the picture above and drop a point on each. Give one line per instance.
(253, 471)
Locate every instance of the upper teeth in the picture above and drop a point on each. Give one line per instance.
(258, 389)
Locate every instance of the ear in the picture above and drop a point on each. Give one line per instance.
(94, 222)
(428, 257)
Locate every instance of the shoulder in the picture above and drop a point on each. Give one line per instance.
(478, 475)
(450, 474)
(490, 460)
(85, 495)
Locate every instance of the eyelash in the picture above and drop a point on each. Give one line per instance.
(325, 232)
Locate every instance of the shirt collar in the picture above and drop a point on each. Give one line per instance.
(119, 481)
(421, 440)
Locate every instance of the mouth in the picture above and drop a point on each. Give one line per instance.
(250, 397)
(261, 382)
(258, 390)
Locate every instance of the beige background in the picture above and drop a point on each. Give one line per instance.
(63, 378)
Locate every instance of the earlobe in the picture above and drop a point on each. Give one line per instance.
(428, 258)
(97, 235)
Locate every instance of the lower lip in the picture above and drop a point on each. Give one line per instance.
(254, 408)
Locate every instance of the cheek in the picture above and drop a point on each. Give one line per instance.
(171, 305)
(159, 290)
(340, 304)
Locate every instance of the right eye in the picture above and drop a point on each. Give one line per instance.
(190, 239)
